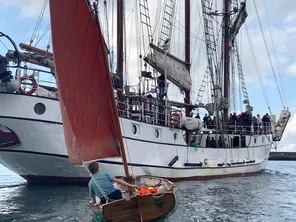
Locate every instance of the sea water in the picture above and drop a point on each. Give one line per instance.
(270, 196)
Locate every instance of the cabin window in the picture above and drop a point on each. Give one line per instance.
(255, 140)
(156, 133)
(39, 108)
(134, 129)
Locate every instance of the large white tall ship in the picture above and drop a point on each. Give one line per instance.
(161, 136)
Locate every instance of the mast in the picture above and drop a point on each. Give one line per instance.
(226, 56)
(187, 50)
(120, 21)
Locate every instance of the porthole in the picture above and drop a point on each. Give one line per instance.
(156, 133)
(134, 129)
(39, 108)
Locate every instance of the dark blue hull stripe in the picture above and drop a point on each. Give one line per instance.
(19, 94)
(133, 164)
(31, 120)
(33, 152)
(154, 142)
(60, 123)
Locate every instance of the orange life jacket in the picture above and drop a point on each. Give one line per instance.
(147, 190)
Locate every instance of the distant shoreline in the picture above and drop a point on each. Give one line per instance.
(289, 156)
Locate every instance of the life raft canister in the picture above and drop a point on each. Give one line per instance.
(33, 83)
(175, 119)
(147, 190)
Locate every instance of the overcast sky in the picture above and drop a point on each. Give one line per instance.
(18, 19)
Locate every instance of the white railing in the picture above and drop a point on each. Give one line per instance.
(36, 82)
(149, 110)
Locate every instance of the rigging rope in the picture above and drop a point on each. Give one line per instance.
(43, 34)
(233, 88)
(49, 41)
(107, 22)
(157, 24)
(196, 60)
(275, 55)
(268, 53)
(39, 20)
(257, 66)
(3, 44)
(240, 96)
(138, 37)
(112, 38)
(128, 53)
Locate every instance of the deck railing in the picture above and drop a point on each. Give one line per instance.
(43, 83)
(152, 110)
(149, 110)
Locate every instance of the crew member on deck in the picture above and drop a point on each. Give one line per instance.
(161, 85)
(104, 182)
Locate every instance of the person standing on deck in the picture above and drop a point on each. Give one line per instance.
(161, 86)
(259, 122)
(255, 125)
(265, 121)
(205, 121)
(104, 182)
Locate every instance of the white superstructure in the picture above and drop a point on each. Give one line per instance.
(42, 157)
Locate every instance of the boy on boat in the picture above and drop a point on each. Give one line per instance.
(101, 185)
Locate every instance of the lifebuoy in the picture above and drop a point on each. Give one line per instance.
(175, 119)
(34, 84)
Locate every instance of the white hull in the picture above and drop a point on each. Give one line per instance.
(42, 157)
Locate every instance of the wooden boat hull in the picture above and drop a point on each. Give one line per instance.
(146, 207)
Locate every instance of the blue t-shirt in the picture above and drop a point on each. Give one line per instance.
(105, 180)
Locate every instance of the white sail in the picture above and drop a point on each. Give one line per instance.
(175, 68)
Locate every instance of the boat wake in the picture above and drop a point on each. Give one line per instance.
(12, 185)
(277, 173)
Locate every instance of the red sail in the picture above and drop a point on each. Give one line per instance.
(89, 113)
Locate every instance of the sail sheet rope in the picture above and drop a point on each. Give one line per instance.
(100, 188)
(81, 159)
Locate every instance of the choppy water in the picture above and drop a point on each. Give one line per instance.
(270, 196)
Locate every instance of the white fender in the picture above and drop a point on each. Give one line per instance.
(191, 123)
(11, 86)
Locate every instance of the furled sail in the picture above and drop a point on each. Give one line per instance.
(175, 68)
(89, 113)
(238, 21)
(280, 125)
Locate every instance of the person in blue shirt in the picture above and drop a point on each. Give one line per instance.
(104, 182)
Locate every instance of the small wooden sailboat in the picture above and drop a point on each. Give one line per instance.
(146, 206)
(90, 117)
